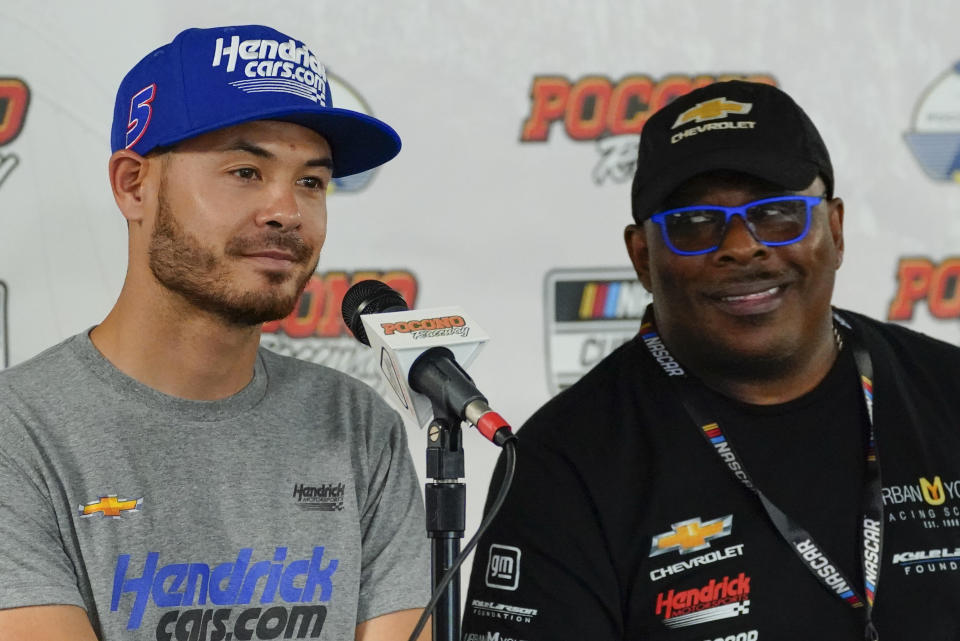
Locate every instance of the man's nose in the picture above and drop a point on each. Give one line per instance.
(282, 211)
(739, 244)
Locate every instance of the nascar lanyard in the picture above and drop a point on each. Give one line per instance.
(810, 553)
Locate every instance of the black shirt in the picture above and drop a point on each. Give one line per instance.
(624, 524)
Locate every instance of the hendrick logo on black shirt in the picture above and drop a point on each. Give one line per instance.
(719, 599)
(325, 498)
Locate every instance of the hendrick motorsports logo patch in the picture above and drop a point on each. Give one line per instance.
(325, 498)
(719, 599)
(611, 113)
(589, 313)
(315, 332)
(935, 137)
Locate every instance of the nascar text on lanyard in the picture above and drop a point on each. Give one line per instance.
(812, 555)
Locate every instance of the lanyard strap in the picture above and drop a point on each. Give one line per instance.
(803, 544)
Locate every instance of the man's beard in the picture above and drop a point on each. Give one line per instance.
(184, 266)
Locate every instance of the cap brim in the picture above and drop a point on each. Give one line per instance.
(791, 173)
(358, 142)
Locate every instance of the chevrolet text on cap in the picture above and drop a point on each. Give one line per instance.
(208, 79)
(747, 127)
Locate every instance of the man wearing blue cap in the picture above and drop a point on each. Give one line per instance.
(181, 482)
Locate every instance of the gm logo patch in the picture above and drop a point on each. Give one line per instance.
(589, 313)
(691, 535)
(503, 567)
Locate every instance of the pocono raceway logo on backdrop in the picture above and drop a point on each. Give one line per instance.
(269, 581)
(315, 331)
(589, 313)
(934, 502)
(609, 113)
(922, 279)
(14, 101)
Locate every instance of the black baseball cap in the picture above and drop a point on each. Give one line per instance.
(749, 127)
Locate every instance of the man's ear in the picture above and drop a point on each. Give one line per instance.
(635, 237)
(128, 172)
(836, 227)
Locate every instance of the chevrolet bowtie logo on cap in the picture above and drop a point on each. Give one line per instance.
(712, 110)
(110, 506)
(691, 535)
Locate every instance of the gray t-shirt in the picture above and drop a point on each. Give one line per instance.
(289, 510)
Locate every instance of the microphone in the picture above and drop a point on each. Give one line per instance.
(418, 354)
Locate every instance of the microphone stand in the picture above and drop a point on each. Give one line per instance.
(445, 500)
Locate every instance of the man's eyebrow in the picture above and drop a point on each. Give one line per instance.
(244, 145)
(325, 161)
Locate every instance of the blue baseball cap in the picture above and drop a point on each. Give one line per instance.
(208, 79)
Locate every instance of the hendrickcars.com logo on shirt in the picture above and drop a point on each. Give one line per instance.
(282, 592)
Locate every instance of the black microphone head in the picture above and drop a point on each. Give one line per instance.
(369, 297)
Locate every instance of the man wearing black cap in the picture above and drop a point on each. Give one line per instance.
(161, 476)
(719, 477)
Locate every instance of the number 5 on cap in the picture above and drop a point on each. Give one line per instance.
(140, 114)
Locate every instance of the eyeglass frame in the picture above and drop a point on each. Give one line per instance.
(730, 212)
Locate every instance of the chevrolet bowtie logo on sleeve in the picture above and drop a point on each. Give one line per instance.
(712, 110)
(691, 535)
(110, 506)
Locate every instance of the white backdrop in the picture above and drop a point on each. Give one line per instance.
(470, 214)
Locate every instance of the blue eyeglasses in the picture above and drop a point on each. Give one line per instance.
(699, 229)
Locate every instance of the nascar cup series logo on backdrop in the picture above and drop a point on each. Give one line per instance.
(14, 100)
(589, 313)
(609, 113)
(315, 331)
